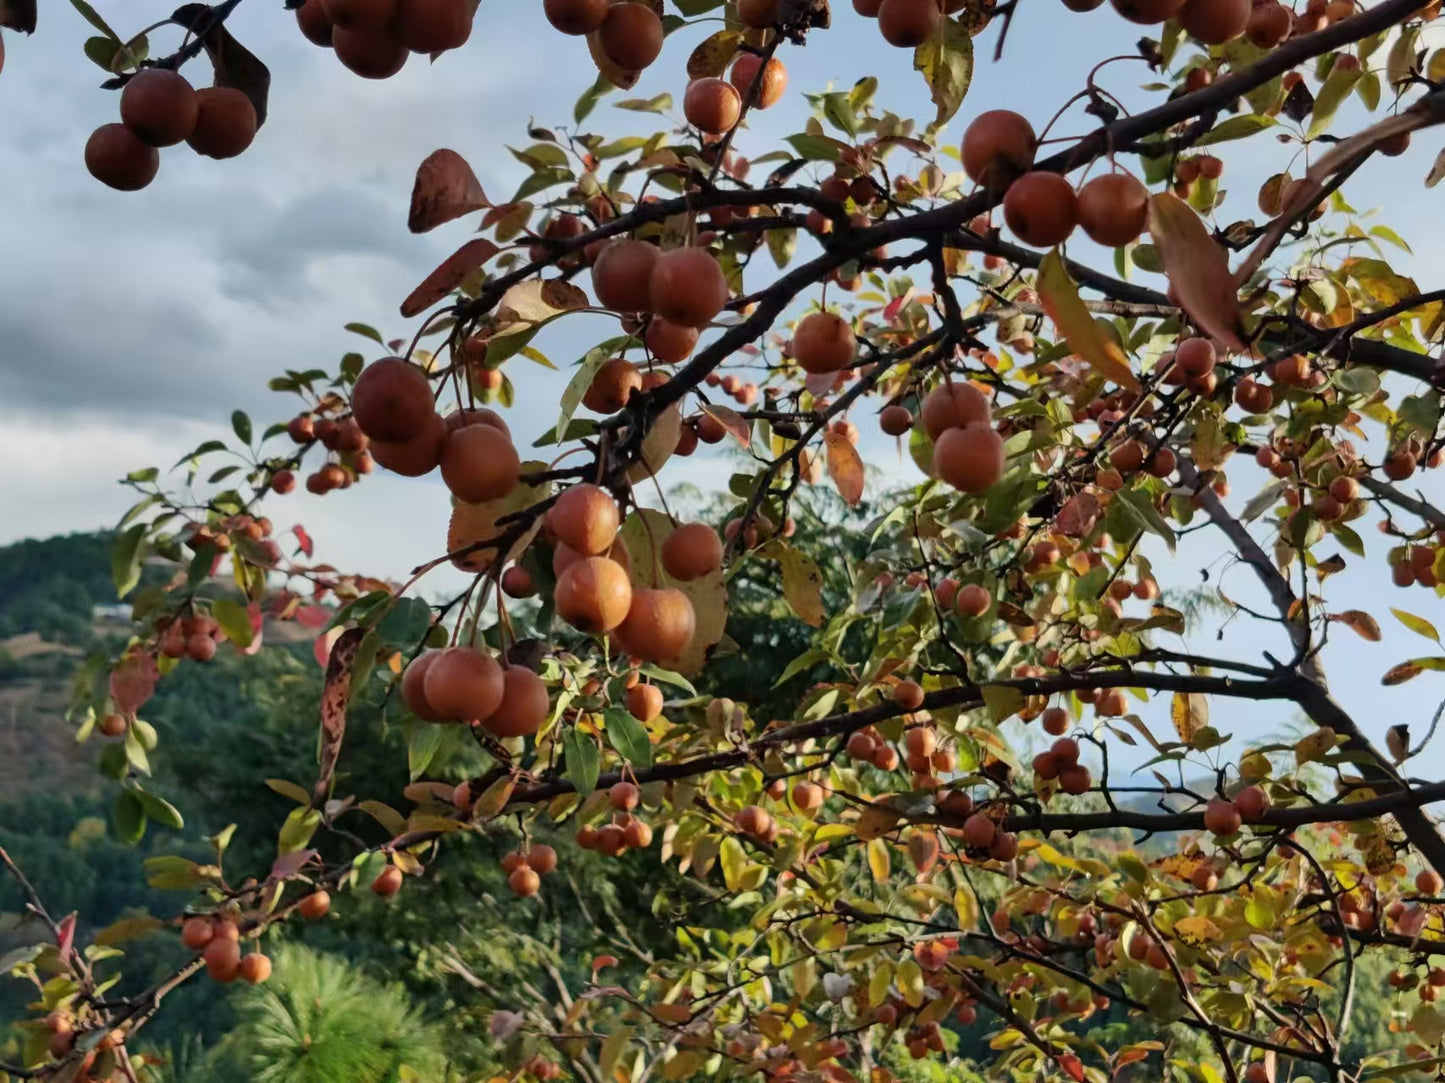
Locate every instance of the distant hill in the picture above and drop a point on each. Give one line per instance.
(52, 586)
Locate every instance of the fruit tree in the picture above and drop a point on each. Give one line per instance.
(994, 801)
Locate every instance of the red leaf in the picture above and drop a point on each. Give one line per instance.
(735, 423)
(257, 628)
(288, 865)
(1073, 1066)
(313, 616)
(303, 539)
(65, 938)
(445, 188)
(449, 275)
(895, 306)
(1197, 268)
(133, 682)
(334, 698)
(844, 467)
(324, 642)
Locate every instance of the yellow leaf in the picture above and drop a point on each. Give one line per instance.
(879, 983)
(802, 585)
(1197, 931)
(844, 467)
(1190, 714)
(1197, 268)
(910, 982)
(473, 524)
(1060, 299)
(879, 863)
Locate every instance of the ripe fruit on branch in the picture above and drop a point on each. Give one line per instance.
(1113, 209)
(1041, 209)
(622, 275)
(631, 36)
(255, 968)
(1147, 12)
(1252, 803)
(644, 702)
(434, 26)
(623, 796)
(908, 23)
(978, 831)
(464, 684)
(1215, 21)
(997, 148)
(159, 106)
(952, 406)
(524, 705)
(1268, 25)
(413, 686)
(414, 457)
(479, 464)
(1221, 817)
(585, 519)
(692, 551)
(753, 820)
(370, 54)
(668, 342)
(315, 24)
(909, 696)
(223, 959)
(659, 625)
(387, 882)
(524, 882)
(775, 79)
(971, 459)
(517, 582)
(315, 906)
(117, 158)
(687, 286)
(196, 933)
(807, 796)
(612, 385)
(712, 105)
(392, 400)
(225, 122)
(593, 594)
(371, 16)
(972, 600)
(575, 17)
(1074, 779)
(824, 342)
(895, 420)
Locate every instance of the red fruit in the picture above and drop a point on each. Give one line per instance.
(413, 686)
(978, 831)
(687, 285)
(1268, 25)
(479, 464)
(860, 746)
(585, 518)
(159, 106)
(1046, 766)
(1147, 12)
(370, 54)
(909, 696)
(434, 26)
(464, 684)
(971, 459)
(952, 406)
(668, 342)
(314, 906)
(824, 342)
(1074, 779)
(622, 275)
(542, 858)
(612, 385)
(524, 705)
(753, 820)
(895, 420)
(225, 123)
(1252, 803)
(255, 968)
(712, 105)
(1005, 846)
(807, 796)
(1055, 721)
(392, 400)
(1113, 209)
(196, 933)
(775, 79)
(692, 551)
(115, 157)
(1066, 751)
(517, 582)
(1221, 817)
(623, 796)
(659, 625)
(997, 147)
(524, 882)
(575, 17)
(315, 24)
(414, 457)
(908, 23)
(631, 36)
(972, 600)
(1215, 21)
(223, 959)
(1041, 209)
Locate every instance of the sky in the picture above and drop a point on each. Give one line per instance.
(132, 324)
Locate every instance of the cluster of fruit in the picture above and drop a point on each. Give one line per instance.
(525, 868)
(159, 108)
(218, 939)
(464, 684)
(625, 832)
(967, 450)
(907, 24)
(373, 38)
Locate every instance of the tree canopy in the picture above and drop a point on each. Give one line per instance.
(873, 762)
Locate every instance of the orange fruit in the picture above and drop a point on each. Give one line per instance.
(688, 287)
(971, 459)
(1147, 12)
(712, 105)
(630, 36)
(908, 23)
(669, 342)
(998, 146)
(117, 158)
(413, 686)
(644, 702)
(1041, 209)
(593, 594)
(524, 705)
(392, 400)
(1113, 209)
(622, 275)
(775, 79)
(659, 625)
(196, 933)
(223, 959)
(972, 600)
(479, 464)
(524, 882)
(692, 551)
(612, 385)
(314, 906)
(1215, 21)
(255, 968)
(414, 457)
(464, 684)
(387, 882)
(953, 405)
(159, 106)
(585, 519)
(823, 342)
(225, 123)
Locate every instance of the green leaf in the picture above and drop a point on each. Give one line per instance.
(241, 426)
(21, 956)
(1002, 703)
(626, 734)
(125, 558)
(160, 810)
(296, 832)
(128, 818)
(590, 97)
(135, 752)
(1419, 625)
(405, 623)
(289, 789)
(234, 620)
(782, 243)
(1338, 85)
(733, 860)
(580, 382)
(583, 762)
(946, 62)
(366, 331)
(421, 747)
(667, 676)
(1148, 514)
(90, 15)
(802, 585)
(1239, 127)
(166, 872)
(815, 148)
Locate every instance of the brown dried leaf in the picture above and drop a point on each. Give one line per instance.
(450, 274)
(1359, 622)
(1197, 268)
(1405, 671)
(1190, 713)
(445, 188)
(334, 697)
(844, 467)
(735, 423)
(1061, 302)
